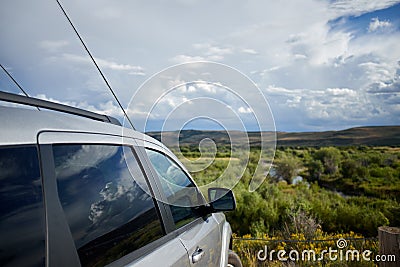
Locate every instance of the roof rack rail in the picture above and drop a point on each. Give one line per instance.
(30, 101)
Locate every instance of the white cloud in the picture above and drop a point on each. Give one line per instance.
(245, 110)
(44, 97)
(137, 73)
(274, 90)
(206, 51)
(107, 108)
(377, 72)
(359, 7)
(72, 58)
(138, 114)
(116, 66)
(53, 45)
(249, 51)
(294, 101)
(320, 45)
(191, 89)
(344, 92)
(185, 58)
(211, 50)
(207, 87)
(103, 64)
(300, 56)
(377, 24)
(334, 107)
(72, 165)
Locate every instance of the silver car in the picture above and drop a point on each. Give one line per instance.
(81, 190)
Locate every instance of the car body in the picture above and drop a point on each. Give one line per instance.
(79, 192)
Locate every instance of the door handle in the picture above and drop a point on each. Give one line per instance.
(197, 255)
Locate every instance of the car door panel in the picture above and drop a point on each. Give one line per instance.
(203, 237)
(173, 253)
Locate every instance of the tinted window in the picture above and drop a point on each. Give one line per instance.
(21, 210)
(180, 191)
(108, 212)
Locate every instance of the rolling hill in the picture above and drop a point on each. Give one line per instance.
(371, 136)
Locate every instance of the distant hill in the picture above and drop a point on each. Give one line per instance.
(371, 136)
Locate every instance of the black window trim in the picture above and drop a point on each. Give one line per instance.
(60, 246)
(156, 185)
(153, 191)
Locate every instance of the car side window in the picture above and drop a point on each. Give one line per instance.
(22, 232)
(182, 194)
(108, 212)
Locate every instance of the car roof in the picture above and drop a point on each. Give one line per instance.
(22, 126)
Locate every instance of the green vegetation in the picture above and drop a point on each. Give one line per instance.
(346, 191)
(343, 189)
(287, 167)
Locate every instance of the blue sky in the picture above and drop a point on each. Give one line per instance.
(322, 65)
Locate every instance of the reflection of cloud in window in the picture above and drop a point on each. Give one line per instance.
(176, 186)
(117, 197)
(176, 177)
(105, 193)
(87, 157)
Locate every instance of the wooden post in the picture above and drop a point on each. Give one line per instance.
(389, 244)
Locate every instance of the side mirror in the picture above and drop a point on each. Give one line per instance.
(221, 199)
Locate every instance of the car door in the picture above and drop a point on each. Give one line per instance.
(98, 207)
(201, 235)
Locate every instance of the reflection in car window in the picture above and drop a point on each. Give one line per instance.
(21, 210)
(181, 192)
(108, 212)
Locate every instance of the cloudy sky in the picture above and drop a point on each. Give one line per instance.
(321, 65)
